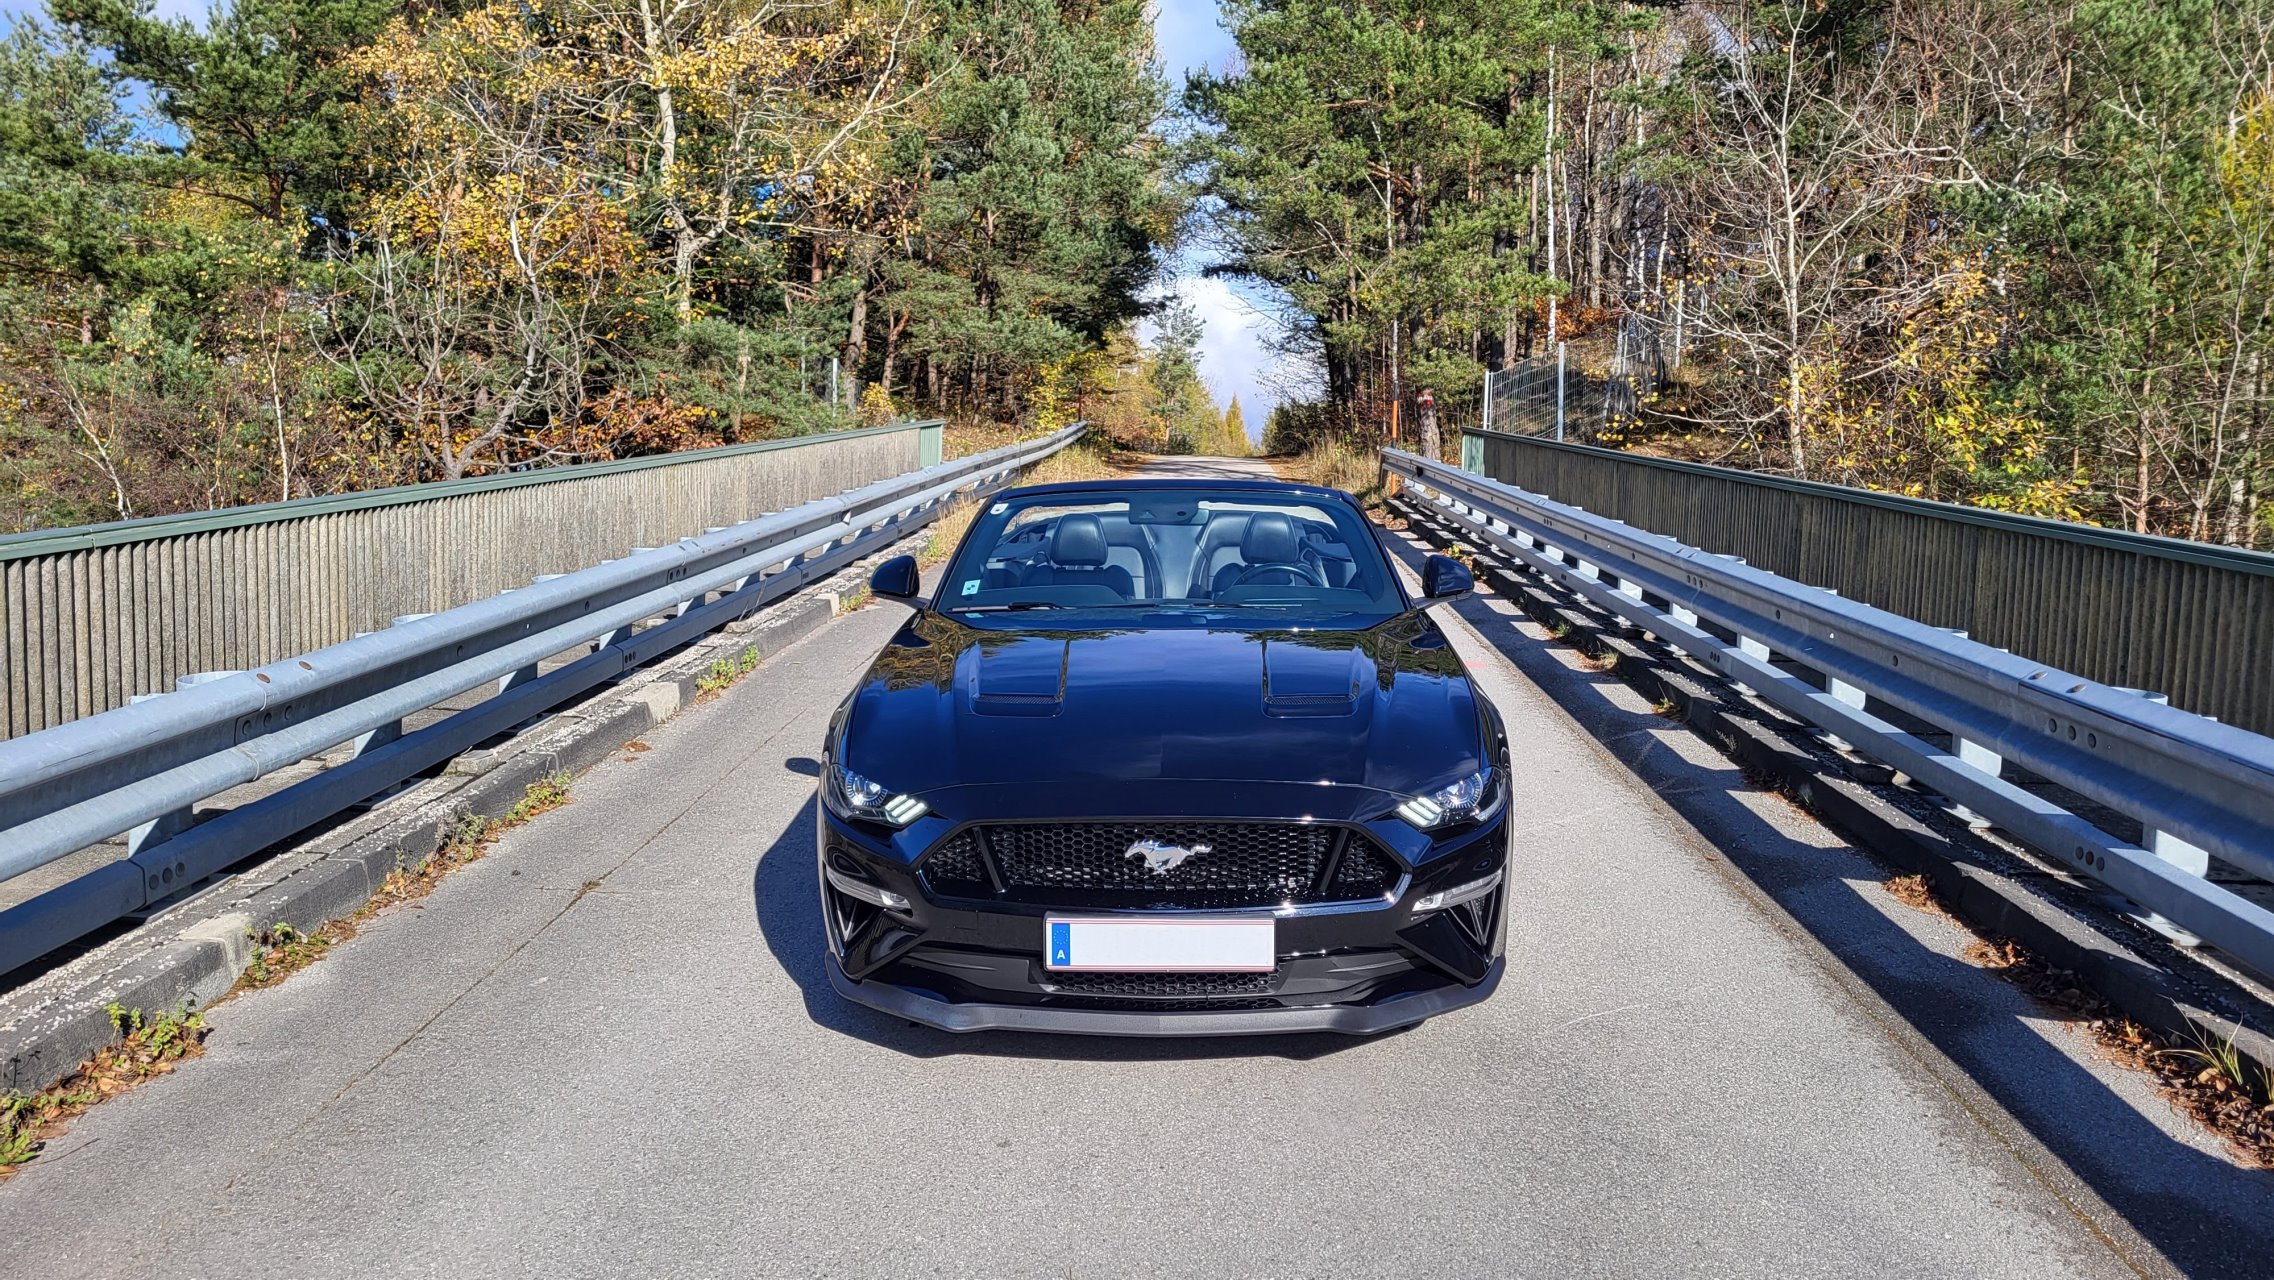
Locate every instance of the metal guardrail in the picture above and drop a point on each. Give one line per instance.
(138, 769)
(2196, 787)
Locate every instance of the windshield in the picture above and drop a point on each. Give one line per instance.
(1295, 556)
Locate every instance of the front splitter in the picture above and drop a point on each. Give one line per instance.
(1355, 1020)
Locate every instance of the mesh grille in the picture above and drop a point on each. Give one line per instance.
(1168, 1006)
(956, 862)
(1216, 865)
(1161, 984)
(1362, 872)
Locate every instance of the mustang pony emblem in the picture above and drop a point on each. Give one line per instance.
(1160, 859)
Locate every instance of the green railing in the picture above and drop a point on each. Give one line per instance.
(2189, 620)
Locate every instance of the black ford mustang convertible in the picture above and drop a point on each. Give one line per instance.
(1166, 758)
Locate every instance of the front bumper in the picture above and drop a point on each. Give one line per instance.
(1357, 968)
(1357, 1020)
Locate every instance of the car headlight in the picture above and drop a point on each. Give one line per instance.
(850, 795)
(1465, 800)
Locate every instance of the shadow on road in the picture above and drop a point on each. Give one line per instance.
(787, 894)
(2206, 1215)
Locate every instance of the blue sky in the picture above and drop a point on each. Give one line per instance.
(1235, 357)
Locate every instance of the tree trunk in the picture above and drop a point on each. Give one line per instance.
(856, 346)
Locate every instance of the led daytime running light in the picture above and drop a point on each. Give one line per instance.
(1457, 895)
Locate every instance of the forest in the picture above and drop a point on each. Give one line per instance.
(301, 247)
(2011, 253)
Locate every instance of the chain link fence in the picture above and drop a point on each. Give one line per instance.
(1558, 396)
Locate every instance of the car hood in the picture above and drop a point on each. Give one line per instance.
(947, 705)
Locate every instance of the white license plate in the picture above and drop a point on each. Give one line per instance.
(1132, 944)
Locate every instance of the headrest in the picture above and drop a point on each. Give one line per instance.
(1270, 539)
(1078, 542)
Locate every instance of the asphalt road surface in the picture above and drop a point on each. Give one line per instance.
(609, 1049)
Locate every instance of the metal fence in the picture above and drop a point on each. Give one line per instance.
(2188, 620)
(90, 617)
(1551, 395)
(140, 768)
(2194, 787)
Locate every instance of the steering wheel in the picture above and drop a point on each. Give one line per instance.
(1305, 571)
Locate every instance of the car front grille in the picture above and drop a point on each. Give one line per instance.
(1186, 985)
(1223, 865)
(1122, 1005)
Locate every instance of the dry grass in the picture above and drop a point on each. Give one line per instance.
(1337, 464)
(1916, 893)
(962, 438)
(1094, 457)
(946, 531)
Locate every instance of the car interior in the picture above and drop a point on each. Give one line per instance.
(1176, 549)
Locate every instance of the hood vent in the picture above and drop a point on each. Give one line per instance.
(1026, 677)
(1313, 680)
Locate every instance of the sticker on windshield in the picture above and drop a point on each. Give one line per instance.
(971, 588)
(999, 508)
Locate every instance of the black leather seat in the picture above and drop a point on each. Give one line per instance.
(1077, 557)
(1269, 539)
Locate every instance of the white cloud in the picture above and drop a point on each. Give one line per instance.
(1236, 358)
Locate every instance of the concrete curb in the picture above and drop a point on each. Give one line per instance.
(191, 953)
(2055, 917)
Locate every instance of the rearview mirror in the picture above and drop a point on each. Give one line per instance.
(897, 579)
(1444, 578)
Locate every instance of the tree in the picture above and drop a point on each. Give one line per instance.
(1034, 195)
(1381, 164)
(1183, 414)
(257, 94)
(1233, 440)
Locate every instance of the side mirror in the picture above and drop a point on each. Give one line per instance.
(1444, 578)
(898, 579)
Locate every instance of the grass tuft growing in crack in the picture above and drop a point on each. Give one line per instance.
(148, 1047)
(724, 672)
(281, 951)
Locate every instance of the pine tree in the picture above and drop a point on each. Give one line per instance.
(255, 92)
(1233, 440)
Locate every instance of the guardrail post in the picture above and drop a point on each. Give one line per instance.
(171, 823)
(1751, 648)
(1848, 695)
(371, 740)
(1976, 755)
(2190, 858)
(1688, 618)
(174, 821)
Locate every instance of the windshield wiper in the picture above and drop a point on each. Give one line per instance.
(1010, 608)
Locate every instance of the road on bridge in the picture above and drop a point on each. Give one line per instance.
(609, 1048)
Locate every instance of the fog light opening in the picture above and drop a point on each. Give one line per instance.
(874, 895)
(1455, 896)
